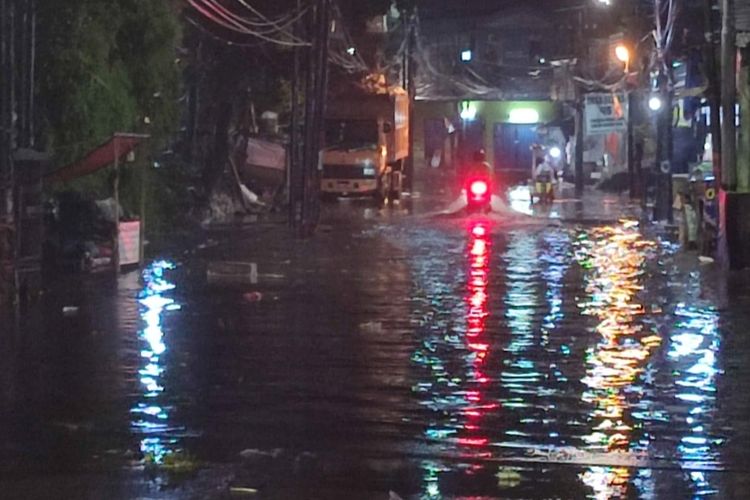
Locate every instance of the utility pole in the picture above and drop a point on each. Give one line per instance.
(315, 101)
(714, 88)
(669, 146)
(8, 245)
(295, 181)
(410, 88)
(728, 97)
(664, 116)
(580, 105)
(18, 245)
(663, 172)
(631, 144)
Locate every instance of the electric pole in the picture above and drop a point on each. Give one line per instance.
(728, 97)
(580, 105)
(304, 199)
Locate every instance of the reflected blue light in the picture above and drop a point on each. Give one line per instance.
(148, 410)
(153, 418)
(694, 440)
(431, 477)
(693, 348)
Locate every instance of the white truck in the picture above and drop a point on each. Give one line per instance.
(366, 144)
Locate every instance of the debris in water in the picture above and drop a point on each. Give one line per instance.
(252, 296)
(508, 477)
(223, 272)
(252, 453)
(239, 490)
(69, 311)
(372, 327)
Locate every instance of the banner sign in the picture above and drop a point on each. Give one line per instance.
(606, 113)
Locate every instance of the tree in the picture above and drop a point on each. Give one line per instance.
(105, 67)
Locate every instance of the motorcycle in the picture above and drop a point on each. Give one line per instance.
(544, 189)
(478, 194)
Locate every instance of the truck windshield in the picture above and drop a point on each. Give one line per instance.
(351, 133)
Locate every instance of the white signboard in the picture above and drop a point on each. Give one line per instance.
(606, 113)
(129, 244)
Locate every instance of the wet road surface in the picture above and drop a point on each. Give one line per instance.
(434, 357)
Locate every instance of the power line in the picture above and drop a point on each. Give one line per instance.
(219, 16)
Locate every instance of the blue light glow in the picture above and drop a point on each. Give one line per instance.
(152, 417)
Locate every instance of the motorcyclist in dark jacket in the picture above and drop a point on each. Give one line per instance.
(479, 167)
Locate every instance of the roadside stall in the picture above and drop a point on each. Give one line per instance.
(127, 237)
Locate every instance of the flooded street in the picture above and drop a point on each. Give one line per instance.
(432, 357)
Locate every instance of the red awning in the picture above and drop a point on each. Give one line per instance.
(101, 157)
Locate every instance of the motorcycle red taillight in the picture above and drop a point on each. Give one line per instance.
(479, 188)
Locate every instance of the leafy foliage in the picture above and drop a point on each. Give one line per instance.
(105, 67)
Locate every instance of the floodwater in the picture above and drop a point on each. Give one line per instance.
(467, 357)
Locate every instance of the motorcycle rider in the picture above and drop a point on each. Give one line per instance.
(479, 168)
(544, 175)
(476, 171)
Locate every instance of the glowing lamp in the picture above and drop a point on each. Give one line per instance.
(655, 103)
(469, 112)
(622, 53)
(523, 116)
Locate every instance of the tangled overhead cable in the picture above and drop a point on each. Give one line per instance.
(252, 23)
(257, 25)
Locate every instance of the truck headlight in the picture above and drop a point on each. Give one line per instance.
(369, 170)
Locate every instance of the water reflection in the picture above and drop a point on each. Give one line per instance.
(151, 414)
(693, 355)
(476, 340)
(582, 360)
(521, 376)
(456, 356)
(615, 259)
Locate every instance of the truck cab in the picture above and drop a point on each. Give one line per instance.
(366, 142)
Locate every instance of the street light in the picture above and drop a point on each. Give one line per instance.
(655, 103)
(622, 54)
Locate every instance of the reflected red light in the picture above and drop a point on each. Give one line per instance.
(479, 188)
(477, 299)
(479, 247)
(473, 441)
